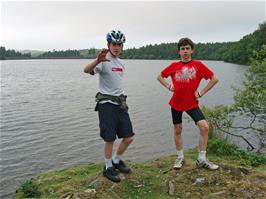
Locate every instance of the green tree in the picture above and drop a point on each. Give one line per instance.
(249, 105)
(251, 101)
(12, 54)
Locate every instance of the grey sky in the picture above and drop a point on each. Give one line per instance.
(78, 25)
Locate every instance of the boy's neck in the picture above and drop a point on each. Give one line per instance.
(113, 55)
(186, 60)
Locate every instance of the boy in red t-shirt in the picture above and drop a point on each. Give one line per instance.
(186, 76)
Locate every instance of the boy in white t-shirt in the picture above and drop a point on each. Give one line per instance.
(112, 109)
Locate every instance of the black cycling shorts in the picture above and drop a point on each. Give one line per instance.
(194, 113)
(114, 122)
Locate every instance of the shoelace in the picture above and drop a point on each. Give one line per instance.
(208, 164)
(112, 171)
(179, 161)
(122, 163)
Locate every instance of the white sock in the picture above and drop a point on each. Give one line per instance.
(202, 155)
(116, 158)
(180, 153)
(108, 163)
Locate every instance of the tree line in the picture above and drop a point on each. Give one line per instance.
(234, 52)
(62, 54)
(12, 54)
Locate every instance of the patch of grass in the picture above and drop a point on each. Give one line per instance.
(151, 179)
(30, 189)
(223, 147)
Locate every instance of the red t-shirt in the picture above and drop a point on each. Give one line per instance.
(186, 78)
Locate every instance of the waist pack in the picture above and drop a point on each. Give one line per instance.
(121, 100)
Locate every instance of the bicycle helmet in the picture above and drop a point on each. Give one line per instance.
(115, 36)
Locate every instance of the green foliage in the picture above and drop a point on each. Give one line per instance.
(153, 179)
(157, 51)
(222, 147)
(235, 52)
(219, 117)
(249, 104)
(70, 54)
(12, 54)
(207, 51)
(213, 51)
(251, 101)
(243, 49)
(89, 54)
(30, 189)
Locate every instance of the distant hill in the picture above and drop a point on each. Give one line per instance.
(34, 53)
(89, 53)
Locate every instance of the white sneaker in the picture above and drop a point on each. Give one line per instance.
(179, 163)
(206, 164)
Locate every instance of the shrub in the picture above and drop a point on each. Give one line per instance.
(221, 146)
(30, 189)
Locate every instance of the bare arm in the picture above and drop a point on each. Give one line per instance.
(214, 80)
(100, 58)
(165, 83)
(89, 67)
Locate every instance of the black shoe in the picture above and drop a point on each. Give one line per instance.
(111, 174)
(122, 167)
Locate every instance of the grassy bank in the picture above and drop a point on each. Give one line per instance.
(153, 179)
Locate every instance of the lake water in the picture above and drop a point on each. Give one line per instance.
(48, 120)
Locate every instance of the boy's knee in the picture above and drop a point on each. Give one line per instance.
(178, 129)
(204, 127)
(129, 139)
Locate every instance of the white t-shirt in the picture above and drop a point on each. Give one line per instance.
(110, 76)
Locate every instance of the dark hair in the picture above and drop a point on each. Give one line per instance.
(185, 41)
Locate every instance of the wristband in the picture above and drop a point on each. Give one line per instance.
(199, 94)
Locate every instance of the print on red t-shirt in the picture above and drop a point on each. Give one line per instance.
(186, 78)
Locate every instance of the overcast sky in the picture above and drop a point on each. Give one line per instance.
(65, 25)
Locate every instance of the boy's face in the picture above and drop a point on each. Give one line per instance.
(186, 52)
(115, 48)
